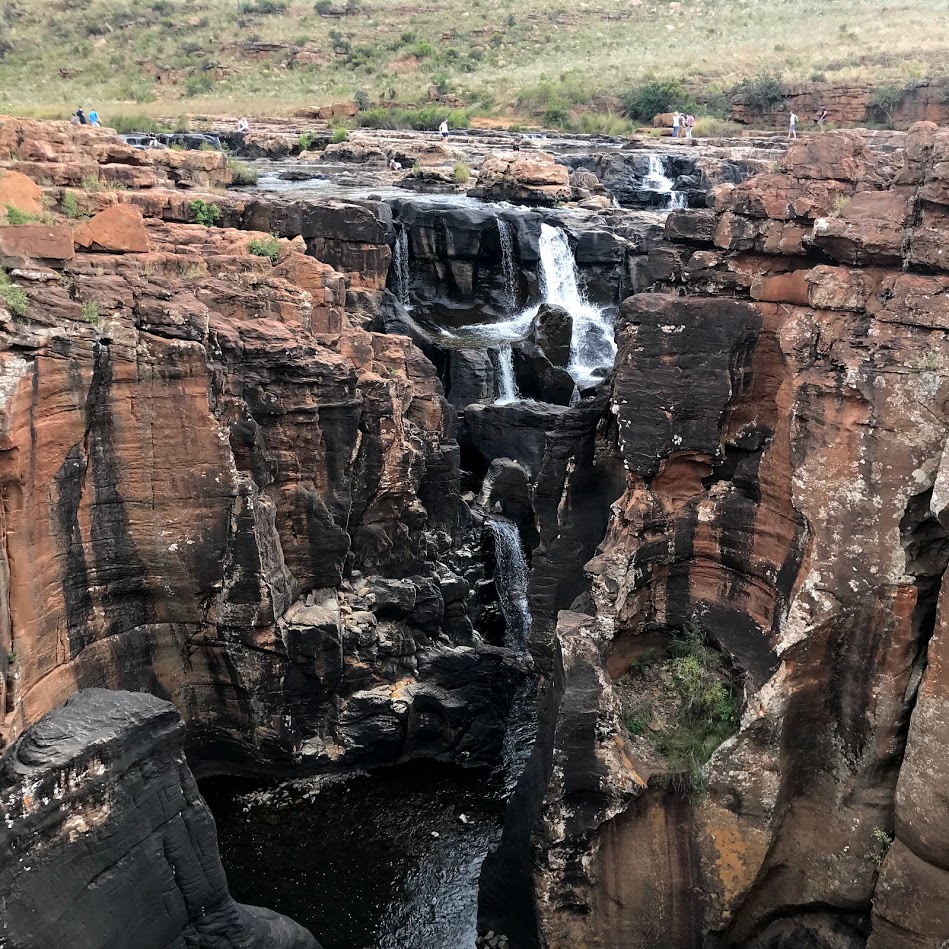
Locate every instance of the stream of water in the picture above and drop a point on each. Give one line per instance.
(657, 181)
(510, 578)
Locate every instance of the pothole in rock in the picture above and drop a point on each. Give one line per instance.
(681, 698)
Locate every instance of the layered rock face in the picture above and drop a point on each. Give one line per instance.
(779, 408)
(101, 813)
(223, 492)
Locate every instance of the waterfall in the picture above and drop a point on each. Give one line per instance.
(657, 182)
(401, 266)
(592, 348)
(510, 578)
(508, 263)
(506, 383)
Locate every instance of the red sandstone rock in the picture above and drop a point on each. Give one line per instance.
(20, 192)
(527, 178)
(41, 243)
(120, 229)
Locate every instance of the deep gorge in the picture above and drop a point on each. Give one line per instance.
(419, 509)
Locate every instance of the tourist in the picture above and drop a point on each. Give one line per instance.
(676, 119)
(792, 126)
(822, 118)
(689, 125)
(81, 116)
(243, 126)
(443, 128)
(94, 119)
(517, 143)
(394, 165)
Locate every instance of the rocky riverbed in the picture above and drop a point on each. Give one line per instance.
(378, 491)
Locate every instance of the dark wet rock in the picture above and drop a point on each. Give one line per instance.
(108, 841)
(552, 331)
(538, 378)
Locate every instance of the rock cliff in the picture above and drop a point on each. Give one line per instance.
(779, 405)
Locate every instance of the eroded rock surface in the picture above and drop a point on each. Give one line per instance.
(101, 814)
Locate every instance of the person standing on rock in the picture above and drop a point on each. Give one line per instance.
(792, 127)
(443, 128)
(689, 125)
(822, 118)
(676, 119)
(81, 116)
(94, 119)
(243, 126)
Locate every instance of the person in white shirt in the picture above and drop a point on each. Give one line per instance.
(676, 119)
(443, 128)
(243, 125)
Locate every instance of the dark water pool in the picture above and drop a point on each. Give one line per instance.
(383, 861)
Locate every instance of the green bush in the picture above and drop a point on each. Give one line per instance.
(340, 134)
(323, 7)
(15, 216)
(241, 173)
(90, 313)
(265, 247)
(462, 172)
(198, 84)
(205, 213)
(656, 97)
(361, 98)
(763, 91)
(13, 297)
(423, 50)
(262, 6)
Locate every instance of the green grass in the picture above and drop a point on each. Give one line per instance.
(241, 173)
(543, 57)
(14, 216)
(90, 313)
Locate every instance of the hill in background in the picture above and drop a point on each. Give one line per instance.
(554, 61)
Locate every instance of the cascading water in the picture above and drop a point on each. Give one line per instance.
(401, 266)
(508, 263)
(656, 181)
(510, 578)
(592, 348)
(506, 382)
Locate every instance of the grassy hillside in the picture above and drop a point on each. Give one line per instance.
(500, 56)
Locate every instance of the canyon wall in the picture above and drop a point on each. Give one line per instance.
(780, 410)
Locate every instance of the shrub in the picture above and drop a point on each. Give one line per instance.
(340, 134)
(361, 98)
(307, 140)
(265, 247)
(655, 97)
(90, 313)
(884, 99)
(205, 213)
(424, 119)
(241, 173)
(70, 206)
(763, 91)
(13, 297)
(423, 50)
(198, 84)
(15, 216)
(556, 113)
(262, 6)
(323, 7)
(91, 183)
(462, 172)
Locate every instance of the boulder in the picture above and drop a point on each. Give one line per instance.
(18, 191)
(532, 178)
(537, 378)
(119, 229)
(552, 331)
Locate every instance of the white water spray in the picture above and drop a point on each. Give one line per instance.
(401, 264)
(508, 263)
(592, 348)
(510, 578)
(657, 182)
(506, 381)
